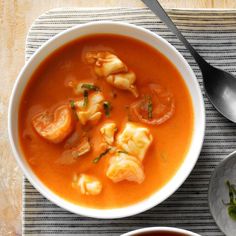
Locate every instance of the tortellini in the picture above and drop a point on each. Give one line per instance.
(124, 81)
(135, 140)
(132, 145)
(108, 131)
(93, 111)
(114, 70)
(54, 127)
(105, 63)
(125, 167)
(87, 184)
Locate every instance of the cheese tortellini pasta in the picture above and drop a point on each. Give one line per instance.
(87, 184)
(125, 167)
(135, 140)
(93, 111)
(132, 145)
(114, 70)
(124, 81)
(105, 63)
(108, 131)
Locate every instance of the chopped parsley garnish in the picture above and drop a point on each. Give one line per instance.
(97, 159)
(85, 98)
(107, 108)
(90, 87)
(232, 203)
(149, 104)
(72, 104)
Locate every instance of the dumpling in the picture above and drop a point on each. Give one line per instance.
(105, 63)
(87, 184)
(108, 131)
(135, 140)
(93, 110)
(124, 81)
(125, 167)
(54, 127)
(114, 70)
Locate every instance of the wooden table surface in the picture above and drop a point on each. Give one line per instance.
(15, 19)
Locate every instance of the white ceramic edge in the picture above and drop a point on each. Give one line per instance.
(160, 229)
(137, 32)
(210, 183)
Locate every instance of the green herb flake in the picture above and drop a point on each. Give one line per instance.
(90, 87)
(97, 159)
(232, 212)
(72, 104)
(85, 98)
(150, 108)
(107, 108)
(232, 200)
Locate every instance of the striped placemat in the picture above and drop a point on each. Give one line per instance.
(213, 34)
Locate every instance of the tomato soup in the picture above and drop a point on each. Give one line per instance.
(103, 80)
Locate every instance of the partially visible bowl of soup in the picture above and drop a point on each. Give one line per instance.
(106, 119)
(160, 231)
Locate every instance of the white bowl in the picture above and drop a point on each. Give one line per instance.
(120, 29)
(160, 229)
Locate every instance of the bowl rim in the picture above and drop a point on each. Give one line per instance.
(159, 229)
(113, 213)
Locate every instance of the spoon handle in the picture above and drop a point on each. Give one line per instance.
(157, 9)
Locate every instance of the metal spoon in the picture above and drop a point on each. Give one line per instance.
(220, 85)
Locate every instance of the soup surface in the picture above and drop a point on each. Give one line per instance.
(105, 121)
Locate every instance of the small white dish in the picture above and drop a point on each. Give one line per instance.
(155, 41)
(219, 192)
(152, 230)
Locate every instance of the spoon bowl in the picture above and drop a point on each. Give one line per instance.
(220, 85)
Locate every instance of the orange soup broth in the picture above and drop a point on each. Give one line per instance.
(47, 89)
